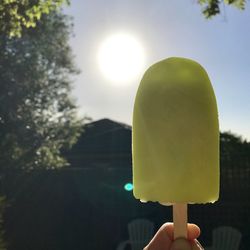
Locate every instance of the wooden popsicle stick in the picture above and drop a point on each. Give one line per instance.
(180, 220)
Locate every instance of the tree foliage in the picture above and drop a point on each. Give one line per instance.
(234, 151)
(18, 14)
(37, 115)
(212, 8)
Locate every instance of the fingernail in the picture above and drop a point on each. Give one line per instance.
(181, 244)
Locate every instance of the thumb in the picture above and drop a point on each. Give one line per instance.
(181, 244)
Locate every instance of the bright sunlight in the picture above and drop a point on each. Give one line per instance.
(121, 58)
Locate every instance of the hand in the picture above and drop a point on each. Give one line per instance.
(164, 239)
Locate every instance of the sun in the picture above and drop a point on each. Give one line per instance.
(121, 58)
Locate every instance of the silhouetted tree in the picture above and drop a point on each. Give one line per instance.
(37, 114)
(38, 117)
(234, 151)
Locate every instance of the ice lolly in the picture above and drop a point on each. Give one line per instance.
(175, 135)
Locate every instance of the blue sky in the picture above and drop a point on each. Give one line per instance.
(165, 29)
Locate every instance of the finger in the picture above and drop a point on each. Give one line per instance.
(161, 240)
(165, 236)
(192, 230)
(181, 244)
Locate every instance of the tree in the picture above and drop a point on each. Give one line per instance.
(18, 14)
(234, 152)
(212, 8)
(37, 115)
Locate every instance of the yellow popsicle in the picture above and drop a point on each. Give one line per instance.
(175, 135)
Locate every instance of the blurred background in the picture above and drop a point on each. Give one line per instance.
(69, 72)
